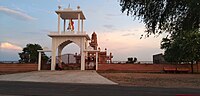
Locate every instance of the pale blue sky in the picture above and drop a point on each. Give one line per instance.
(29, 21)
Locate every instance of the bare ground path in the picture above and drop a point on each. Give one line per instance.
(155, 79)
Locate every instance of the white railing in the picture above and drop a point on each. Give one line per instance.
(67, 33)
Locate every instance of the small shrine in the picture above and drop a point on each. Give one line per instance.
(102, 54)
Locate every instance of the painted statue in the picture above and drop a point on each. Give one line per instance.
(71, 25)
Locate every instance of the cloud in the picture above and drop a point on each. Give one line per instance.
(113, 14)
(16, 14)
(126, 42)
(128, 34)
(9, 46)
(59, 1)
(108, 26)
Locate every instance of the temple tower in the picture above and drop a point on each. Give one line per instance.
(69, 34)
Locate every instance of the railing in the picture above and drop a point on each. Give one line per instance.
(67, 33)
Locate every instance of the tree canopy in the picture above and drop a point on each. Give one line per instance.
(160, 16)
(30, 54)
(179, 18)
(185, 47)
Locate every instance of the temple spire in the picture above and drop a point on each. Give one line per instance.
(93, 42)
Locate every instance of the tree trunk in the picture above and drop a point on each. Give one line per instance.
(197, 67)
(192, 67)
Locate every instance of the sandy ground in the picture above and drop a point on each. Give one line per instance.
(155, 79)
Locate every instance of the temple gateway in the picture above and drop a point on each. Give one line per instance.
(90, 54)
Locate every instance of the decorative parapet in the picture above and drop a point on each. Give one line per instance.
(68, 33)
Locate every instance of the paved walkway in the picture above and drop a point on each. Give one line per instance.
(71, 76)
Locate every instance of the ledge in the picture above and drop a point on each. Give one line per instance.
(69, 34)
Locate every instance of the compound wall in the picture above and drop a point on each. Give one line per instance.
(12, 68)
(144, 67)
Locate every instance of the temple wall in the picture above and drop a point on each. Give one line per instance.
(12, 68)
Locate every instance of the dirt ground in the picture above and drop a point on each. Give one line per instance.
(155, 79)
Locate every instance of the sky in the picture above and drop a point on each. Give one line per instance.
(30, 21)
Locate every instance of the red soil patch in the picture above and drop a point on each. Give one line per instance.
(155, 79)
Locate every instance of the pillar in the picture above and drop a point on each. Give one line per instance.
(64, 25)
(53, 55)
(97, 60)
(53, 60)
(82, 54)
(82, 60)
(86, 44)
(59, 23)
(59, 56)
(79, 16)
(82, 25)
(39, 61)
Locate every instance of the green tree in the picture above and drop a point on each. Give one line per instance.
(179, 18)
(30, 54)
(160, 16)
(131, 60)
(135, 59)
(173, 49)
(185, 47)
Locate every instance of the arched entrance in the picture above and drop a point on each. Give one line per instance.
(59, 41)
(68, 58)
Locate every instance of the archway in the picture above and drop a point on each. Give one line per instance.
(69, 55)
(67, 61)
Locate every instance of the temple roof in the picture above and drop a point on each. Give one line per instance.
(70, 14)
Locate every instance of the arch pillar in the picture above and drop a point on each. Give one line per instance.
(82, 54)
(53, 55)
(60, 55)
